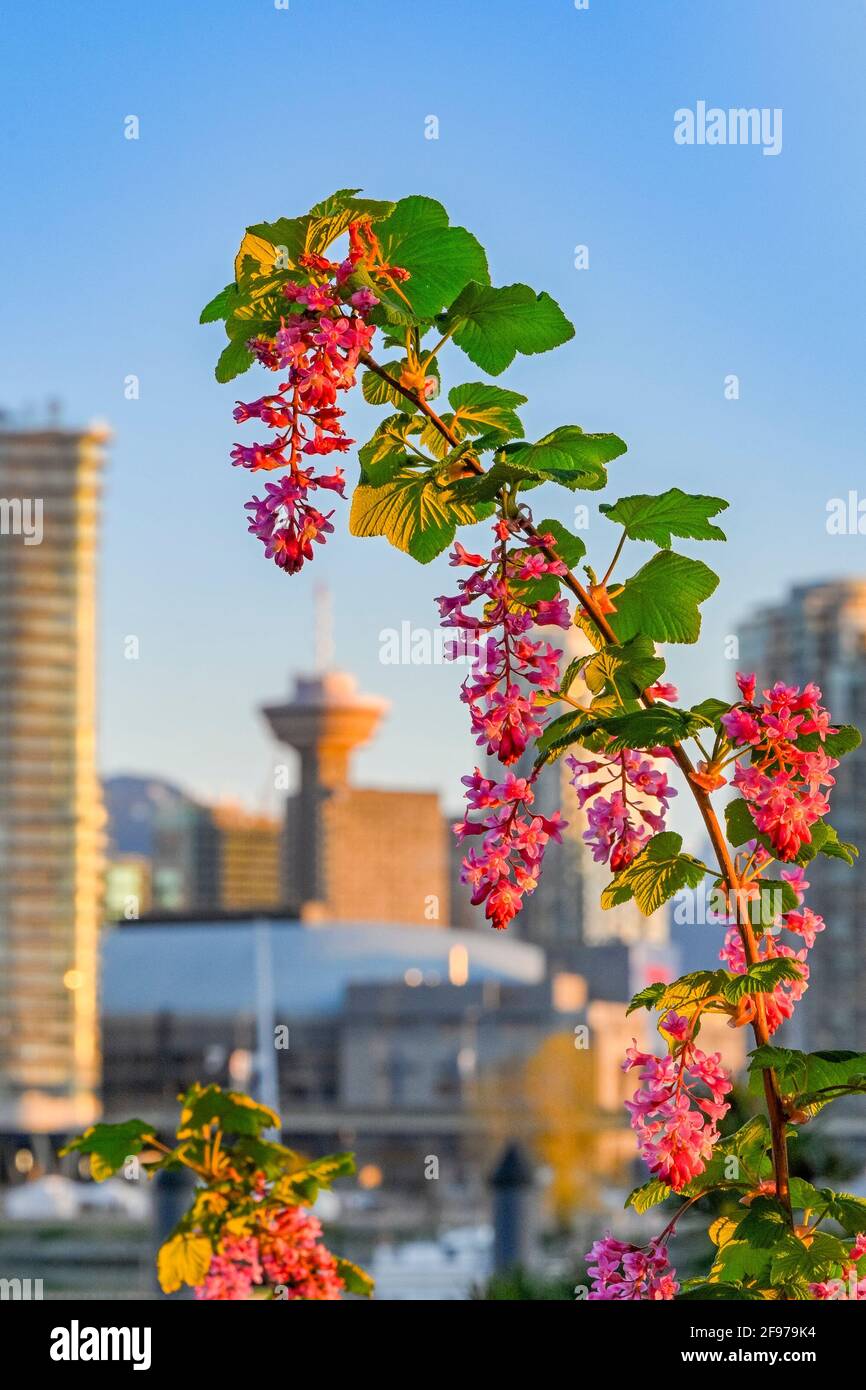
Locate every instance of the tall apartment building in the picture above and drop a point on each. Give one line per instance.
(818, 633)
(51, 816)
(354, 853)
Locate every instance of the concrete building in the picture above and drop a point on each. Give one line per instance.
(818, 633)
(51, 815)
(354, 853)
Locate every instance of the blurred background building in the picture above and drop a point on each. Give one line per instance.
(51, 814)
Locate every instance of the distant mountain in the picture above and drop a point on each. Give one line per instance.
(132, 804)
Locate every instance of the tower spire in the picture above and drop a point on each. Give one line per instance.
(323, 623)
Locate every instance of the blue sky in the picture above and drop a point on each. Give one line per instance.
(556, 129)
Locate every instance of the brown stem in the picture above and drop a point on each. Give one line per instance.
(775, 1109)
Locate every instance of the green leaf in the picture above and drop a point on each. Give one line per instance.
(795, 1262)
(672, 513)
(110, 1145)
(482, 409)
(315, 231)
(711, 710)
(232, 1111)
(492, 325)
(413, 511)
(649, 996)
(765, 1224)
(844, 740)
(221, 306)
(234, 359)
(183, 1259)
(440, 259)
(648, 1195)
(625, 669)
(303, 1185)
(661, 600)
(639, 728)
(761, 978)
(356, 1279)
(658, 872)
(811, 1079)
(386, 453)
(566, 456)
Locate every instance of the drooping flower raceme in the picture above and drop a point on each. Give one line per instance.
(511, 671)
(323, 333)
(621, 1271)
(677, 1106)
(783, 784)
(626, 794)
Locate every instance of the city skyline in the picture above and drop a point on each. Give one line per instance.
(731, 266)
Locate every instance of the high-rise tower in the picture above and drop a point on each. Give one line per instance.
(51, 816)
(352, 853)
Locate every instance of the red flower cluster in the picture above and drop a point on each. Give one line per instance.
(318, 346)
(782, 784)
(286, 1254)
(505, 714)
(675, 1110)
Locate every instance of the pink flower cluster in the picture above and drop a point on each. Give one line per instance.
(318, 346)
(675, 1122)
(620, 1271)
(851, 1287)
(507, 864)
(286, 1254)
(782, 783)
(801, 922)
(618, 819)
(510, 673)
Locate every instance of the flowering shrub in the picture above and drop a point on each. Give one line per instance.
(423, 286)
(249, 1230)
(406, 282)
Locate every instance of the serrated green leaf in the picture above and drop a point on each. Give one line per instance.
(413, 511)
(356, 1279)
(492, 325)
(672, 513)
(440, 259)
(795, 1261)
(662, 600)
(811, 1079)
(658, 872)
(221, 306)
(566, 455)
(625, 669)
(844, 740)
(483, 409)
(232, 1111)
(110, 1145)
(234, 359)
(647, 1196)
